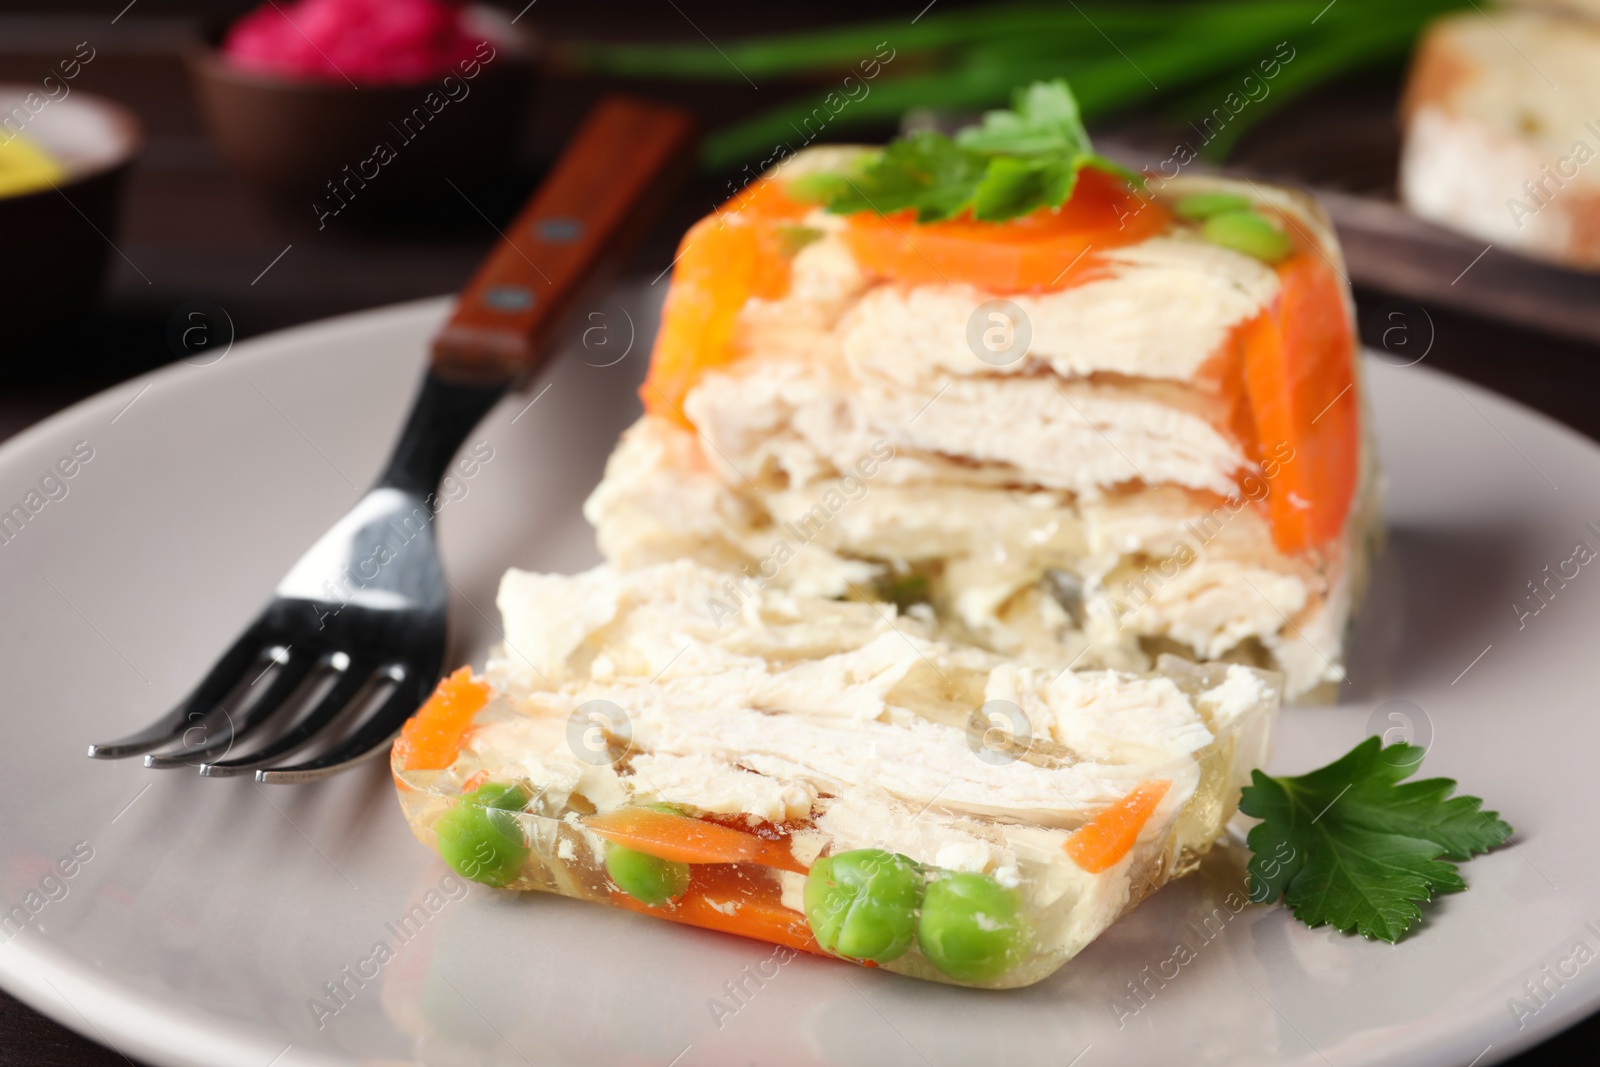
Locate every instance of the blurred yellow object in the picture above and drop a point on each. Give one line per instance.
(25, 168)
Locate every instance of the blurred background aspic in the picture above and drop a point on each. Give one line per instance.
(179, 174)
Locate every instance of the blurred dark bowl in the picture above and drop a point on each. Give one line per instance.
(318, 139)
(54, 243)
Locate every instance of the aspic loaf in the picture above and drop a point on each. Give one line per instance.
(1502, 130)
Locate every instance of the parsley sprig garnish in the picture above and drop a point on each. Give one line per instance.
(1011, 165)
(1355, 847)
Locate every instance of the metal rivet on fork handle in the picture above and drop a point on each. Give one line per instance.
(508, 298)
(558, 231)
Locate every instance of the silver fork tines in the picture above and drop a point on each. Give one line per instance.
(353, 638)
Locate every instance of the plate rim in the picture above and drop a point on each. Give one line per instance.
(55, 981)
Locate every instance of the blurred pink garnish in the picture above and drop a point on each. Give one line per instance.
(369, 42)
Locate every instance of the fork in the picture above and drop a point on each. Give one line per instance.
(354, 635)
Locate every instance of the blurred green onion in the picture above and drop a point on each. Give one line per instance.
(1115, 55)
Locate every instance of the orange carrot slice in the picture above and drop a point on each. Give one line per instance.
(1041, 252)
(743, 902)
(1109, 836)
(683, 839)
(724, 260)
(738, 253)
(432, 737)
(1299, 374)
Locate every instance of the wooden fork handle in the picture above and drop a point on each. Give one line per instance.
(612, 179)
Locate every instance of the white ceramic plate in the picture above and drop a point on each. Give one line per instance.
(211, 915)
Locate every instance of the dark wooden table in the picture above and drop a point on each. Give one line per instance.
(196, 232)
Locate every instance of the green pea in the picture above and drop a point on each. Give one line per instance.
(817, 188)
(972, 927)
(791, 239)
(905, 590)
(646, 878)
(1250, 233)
(1205, 205)
(863, 904)
(480, 838)
(666, 809)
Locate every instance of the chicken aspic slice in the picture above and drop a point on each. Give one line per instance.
(822, 774)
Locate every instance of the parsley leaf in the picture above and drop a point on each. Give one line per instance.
(926, 171)
(1043, 120)
(1353, 847)
(1011, 165)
